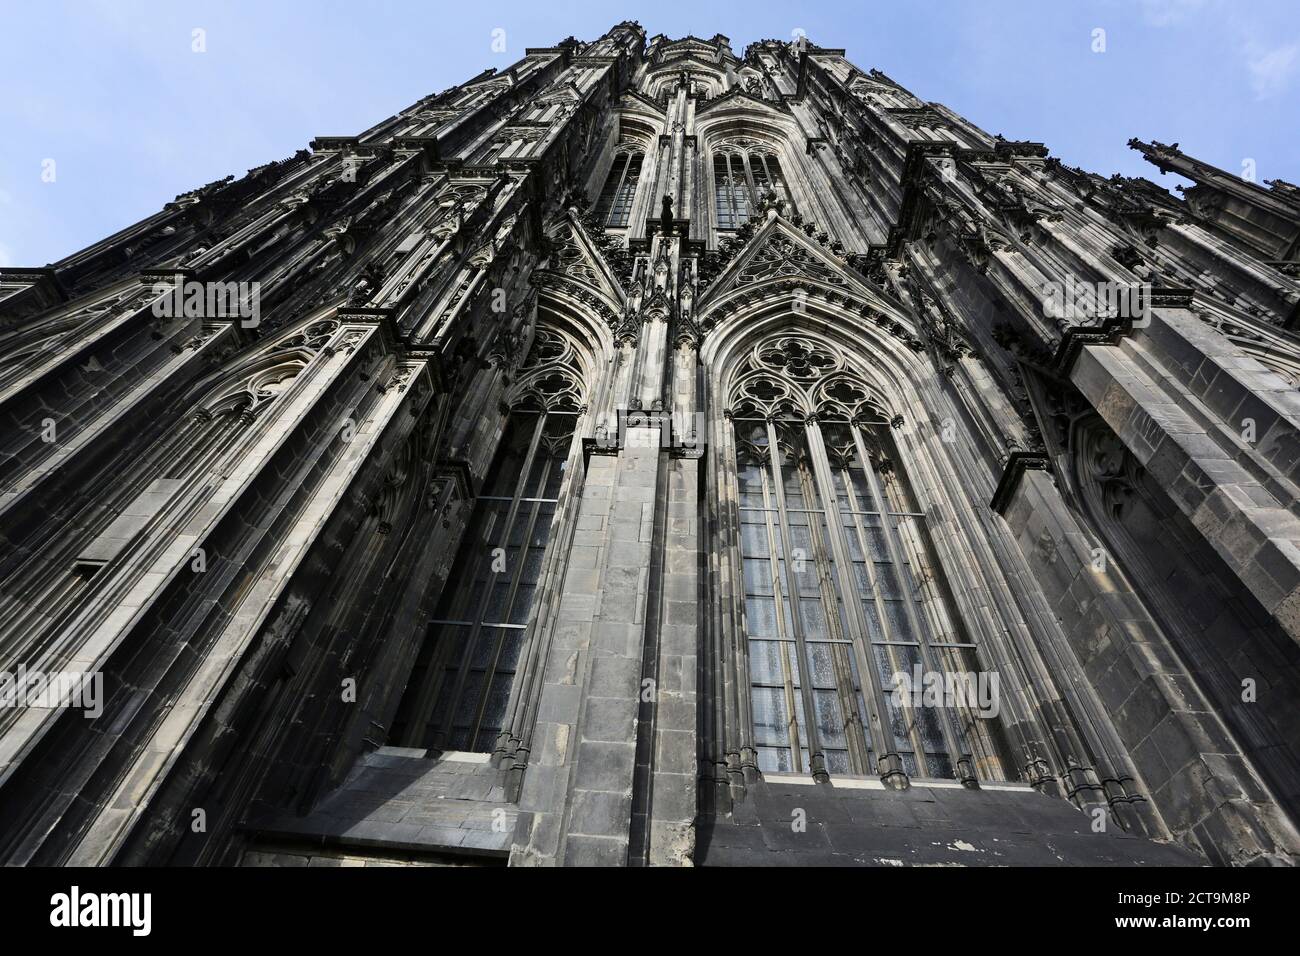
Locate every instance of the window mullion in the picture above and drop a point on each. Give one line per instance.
(738, 188)
(617, 207)
(780, 599)
(733, 213)
(608, 197)
(878, 594)
(780, 186)
(431, 684)
(829, 557)
(956, 752)
(816, 759)
(511, 597)
(888, 762)
(467, 654)
(754, 197)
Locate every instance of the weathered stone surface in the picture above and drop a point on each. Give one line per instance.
(924, 826)
(609, 436)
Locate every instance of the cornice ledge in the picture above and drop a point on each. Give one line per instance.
(1016, 466)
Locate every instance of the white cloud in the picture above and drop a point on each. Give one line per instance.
(1271, 70)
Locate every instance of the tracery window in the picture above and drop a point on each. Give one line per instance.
(743, 172)
(457, 696)
(615, 206)
(839, 582)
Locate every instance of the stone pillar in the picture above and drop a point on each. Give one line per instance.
(577, 793)
(671, 796)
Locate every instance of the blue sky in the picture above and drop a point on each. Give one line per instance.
(114, 94)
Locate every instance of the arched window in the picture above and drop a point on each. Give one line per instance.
(615, 206)
(743, 173)
(842, 594)
(457, 696)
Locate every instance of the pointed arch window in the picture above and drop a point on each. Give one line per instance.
(615, 206)
(458, 695)
(841, 592)
(742, 174)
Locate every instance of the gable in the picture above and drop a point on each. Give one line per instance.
(779, 250)
(577, 259)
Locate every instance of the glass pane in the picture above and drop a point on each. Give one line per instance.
(830, 725)
(813, 616)
(468, 703)
(758, 575)
(739, 191)
(749, 482)
(753, 537)
(775, 760)
(765, 662)
(876, 543)
(887, 578)
(496, 609)
(520, 528)
(894, 700)
(760, 617)
(484, 648)
(778, 179)
(771, 718)
(874, 631)
(822, 667)
(523, 604)
(853, 538)
(498, 697)
(512, 646)
(896, 615)
(441, 702)
(504, 477)
(533, 566)
(940, 766)
(928, 722)
(805, 560)
(606, 201)
(487, 738)
(542, 526)
(861, 580)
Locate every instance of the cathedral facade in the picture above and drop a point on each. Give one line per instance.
(650, 455)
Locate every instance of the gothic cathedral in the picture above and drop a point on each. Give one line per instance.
(648, 455)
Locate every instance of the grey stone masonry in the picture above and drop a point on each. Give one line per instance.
(787, 824)
(1246, 517)
(620, 432)
(672, 795)
(1201, 783)
(404, 800)
(577, 793)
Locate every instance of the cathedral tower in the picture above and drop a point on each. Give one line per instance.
(613, 458)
